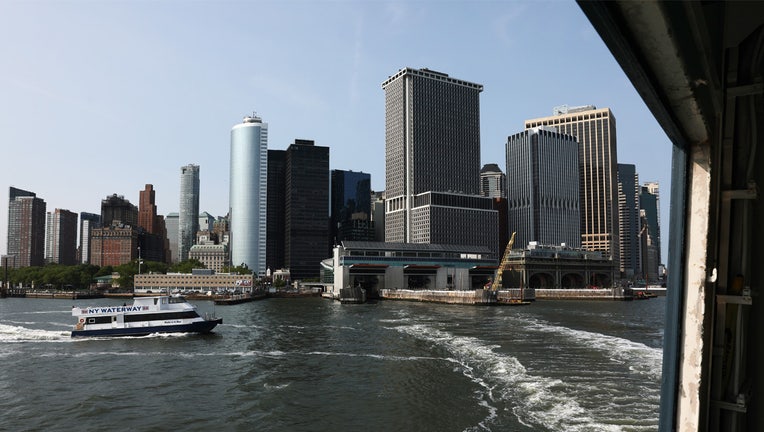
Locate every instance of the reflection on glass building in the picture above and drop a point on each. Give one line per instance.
(351, 206)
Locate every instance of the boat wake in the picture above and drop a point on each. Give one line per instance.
(13, 333)
(507, 386)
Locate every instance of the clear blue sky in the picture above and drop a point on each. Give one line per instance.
(103, 97)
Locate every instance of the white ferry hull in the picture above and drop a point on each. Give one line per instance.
(194, 327)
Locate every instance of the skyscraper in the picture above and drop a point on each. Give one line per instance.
(248, 193)
(306, 228)
(598, 181)
(171, 224)
(188, 220)
(649, 202)
(432, 161)
(88, 222)
(542, 188)
(493, 182)
(629, 228)
(351, 206)
(147, 209)
(26, 229)
(274, 259)
(61, 237)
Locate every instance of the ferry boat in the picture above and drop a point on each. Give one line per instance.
(147, 315)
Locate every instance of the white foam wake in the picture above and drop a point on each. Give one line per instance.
(12, 333)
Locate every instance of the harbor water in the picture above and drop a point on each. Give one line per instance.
(311, 364)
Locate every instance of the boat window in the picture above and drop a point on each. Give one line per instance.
(177, 299)
(91, 320)
(155, 301)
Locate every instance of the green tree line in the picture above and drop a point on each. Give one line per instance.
(82, 276)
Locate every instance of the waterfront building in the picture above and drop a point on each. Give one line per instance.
(306, 210)
(276, 236)
(248, 193)
(542, 188)
(199, 280)
(377, 265)
(26, 228)
(153, 242)
(493, 182)
(171, 222)
(432, 163)
(116, 208)
(629, 221)
(597, 158)
(188, 222)
(350, 208)
(557, 267)
(88, 222)
(61, 237)
(649, 202)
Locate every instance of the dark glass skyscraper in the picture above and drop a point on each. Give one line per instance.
(306, 212)
(274, 258)
(351, 206)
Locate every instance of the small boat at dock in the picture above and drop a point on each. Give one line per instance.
(147, 315)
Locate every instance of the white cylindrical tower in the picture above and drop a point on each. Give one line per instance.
(248, 193)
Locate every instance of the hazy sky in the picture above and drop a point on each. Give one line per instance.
(103, 97)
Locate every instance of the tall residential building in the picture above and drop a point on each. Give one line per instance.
(598, 180)
(306, 210)
(188, 221)
(153, 237)
(350, 207)
(493, 182)
(628, 217)
(542, 188)
(61, 237)
(117, 208)
(432, 161)
(88, 222)
(171, 224)
(649, 201)
(26, 229)
(274, 256)
(248, 193)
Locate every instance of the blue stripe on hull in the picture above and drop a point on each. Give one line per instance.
(195, 327)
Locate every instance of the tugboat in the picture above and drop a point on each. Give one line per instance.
(147, 315)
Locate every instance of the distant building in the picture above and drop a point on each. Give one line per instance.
(153, 242)
(248, 193)
(188, 222)
(114, 245)
(206, 221)
(649, 202)
(493, 182)
(598, 180)
(61, 237)
(542, 188)
(26, 228)
(171, 222)
(378, 215)
(88, 222)
(432, 164)
(629, 221)
(213, 256)
(306, 209)
(276, 236)
(117, 208)
(350, 207)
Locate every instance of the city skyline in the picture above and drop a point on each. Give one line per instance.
(88, 99)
